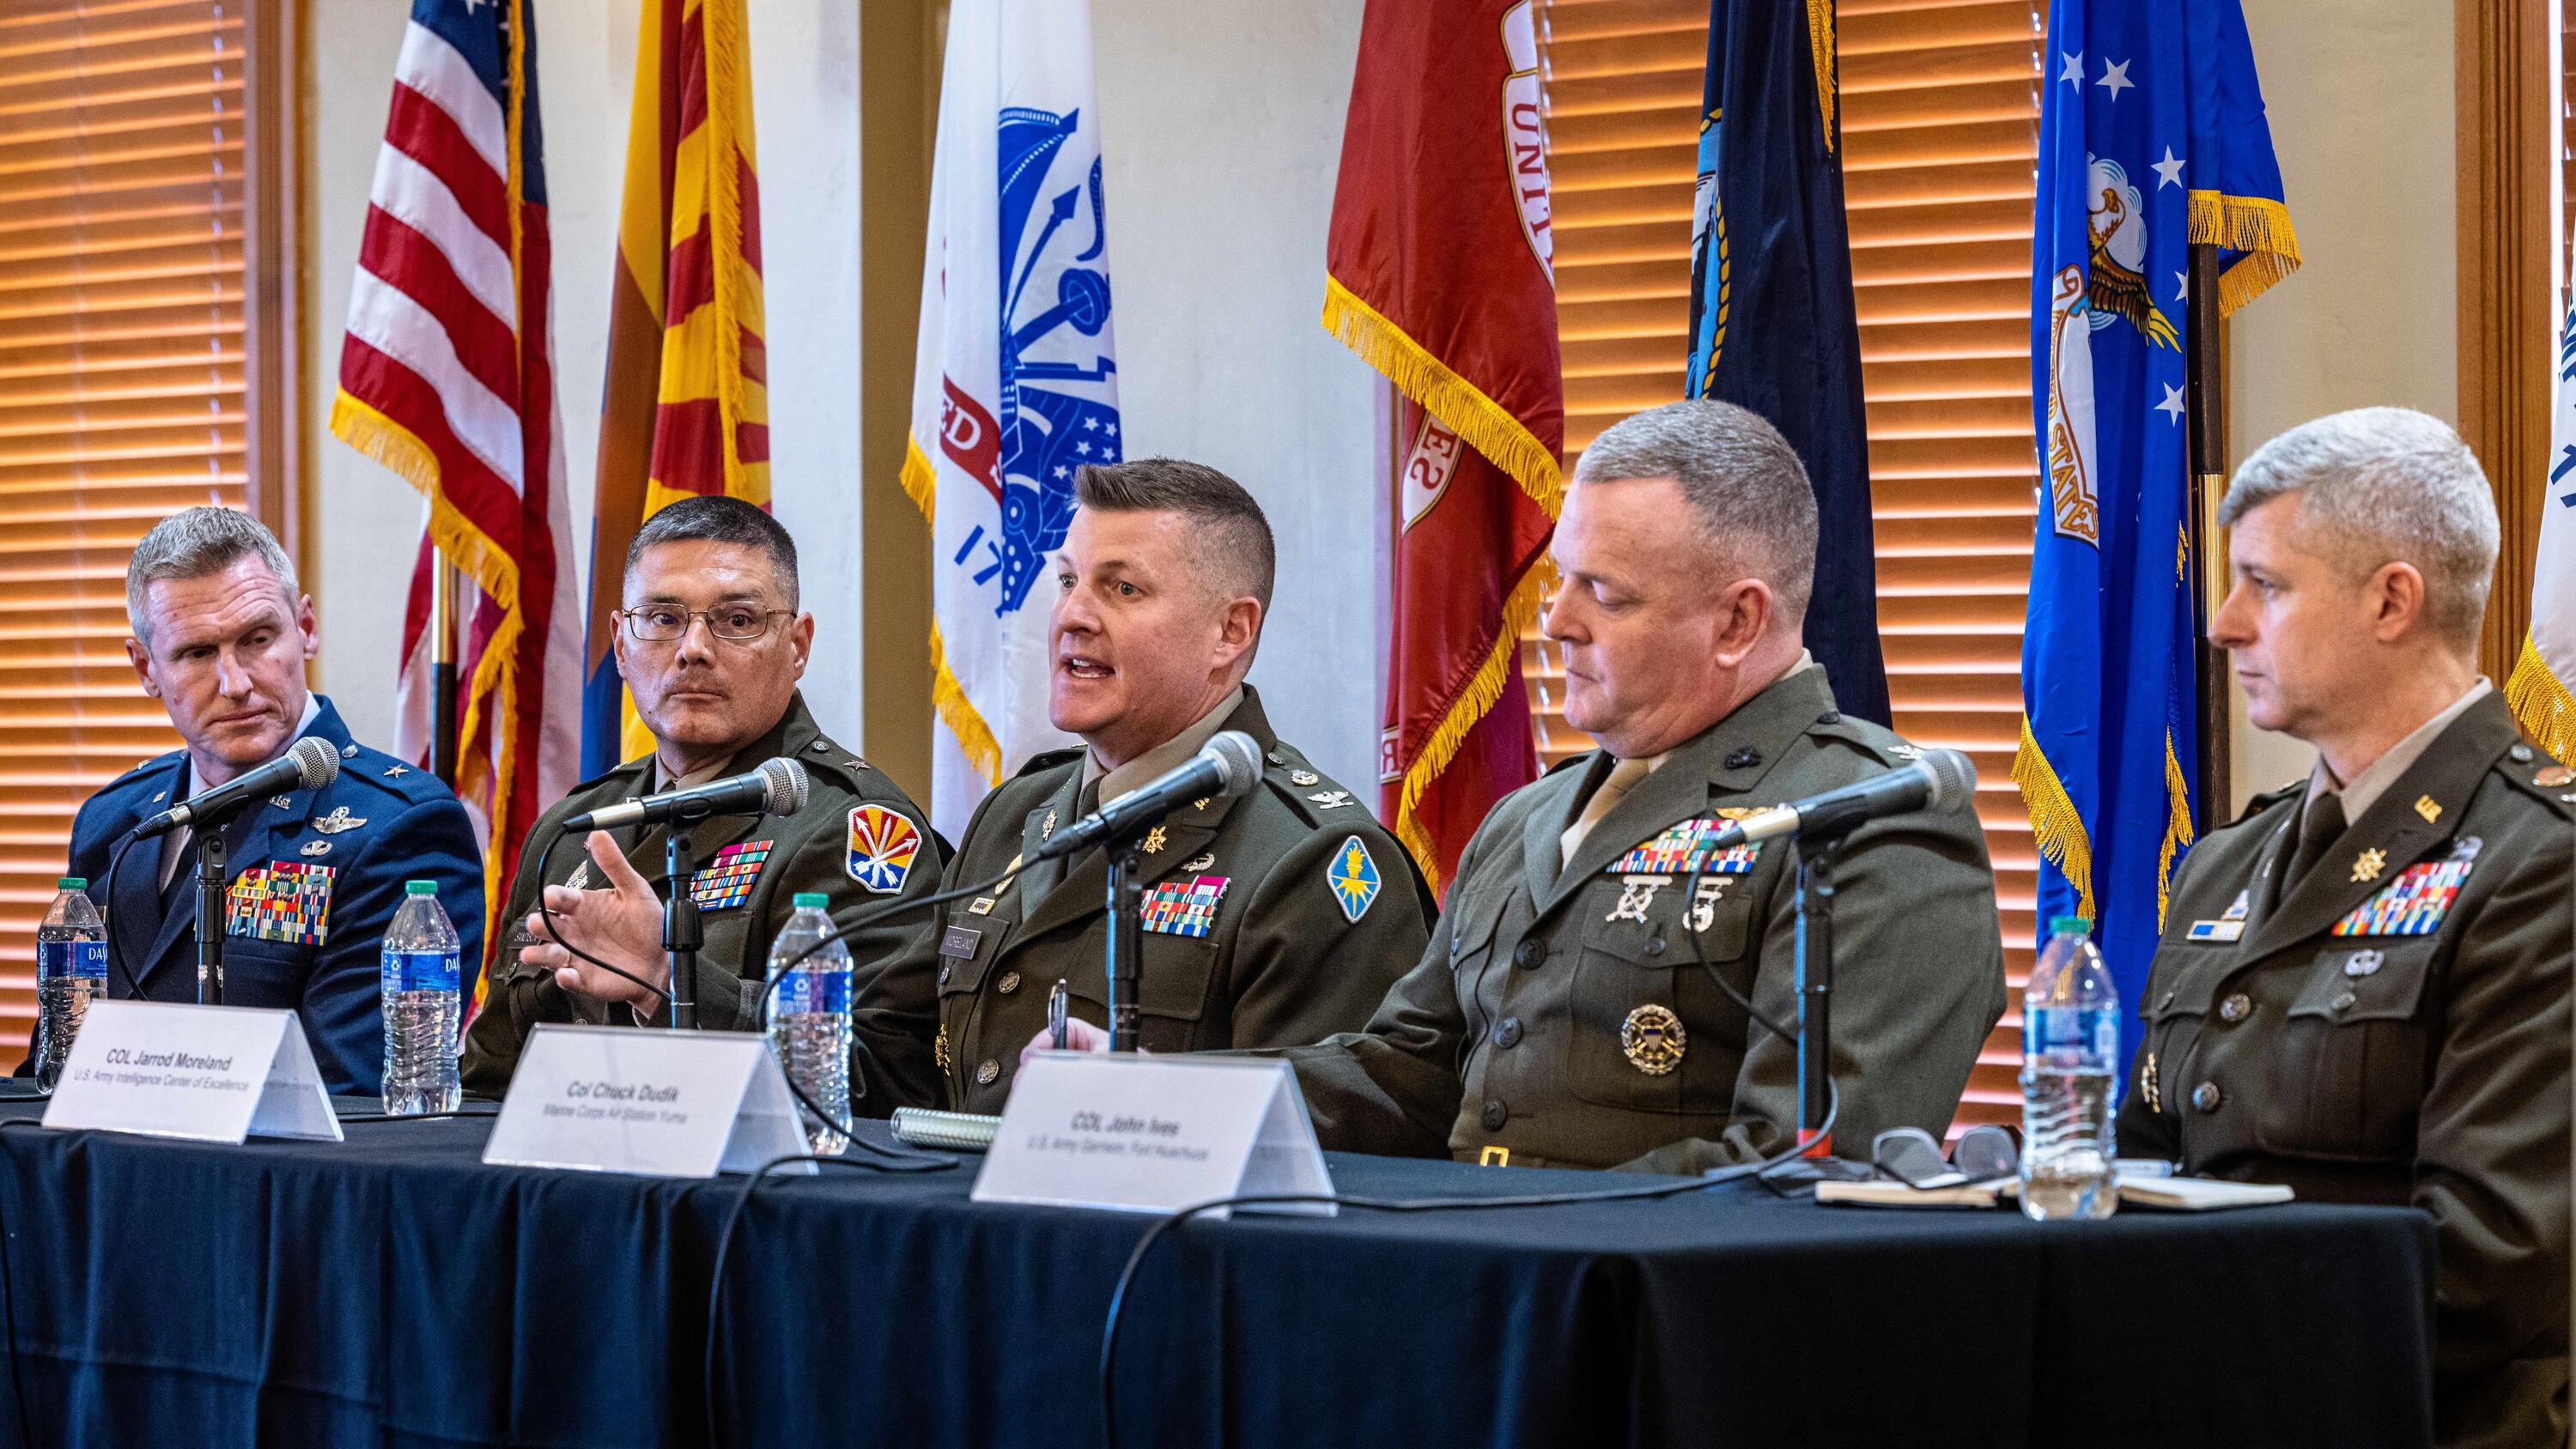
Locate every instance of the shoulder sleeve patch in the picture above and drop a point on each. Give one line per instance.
(1354, 879)
(882, 845)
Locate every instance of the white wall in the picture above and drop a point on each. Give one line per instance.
(2369, 317)
(1223, 127)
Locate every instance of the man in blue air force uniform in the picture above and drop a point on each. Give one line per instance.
(222, 633)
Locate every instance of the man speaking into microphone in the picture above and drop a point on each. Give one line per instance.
(1277, 916)
(1563, 1015)
(711, 642)
(222, 633)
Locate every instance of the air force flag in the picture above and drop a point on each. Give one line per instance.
(1014, 386)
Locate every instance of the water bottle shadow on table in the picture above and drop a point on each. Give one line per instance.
(421, 985)
(2070, 1052)
(71, 971)
(809, 1017)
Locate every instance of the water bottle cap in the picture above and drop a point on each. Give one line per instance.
(2070, 925)
(72, 883)
(420, 888)
(812, 901)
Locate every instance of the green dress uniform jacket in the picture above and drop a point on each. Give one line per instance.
(2371, 1037)
(1561, 1017)
(1317, 910)
(859, 840)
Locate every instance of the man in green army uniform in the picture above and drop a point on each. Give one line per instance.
(1275, 918)
(711, 642)
(1567, 1011)
(2362, 990)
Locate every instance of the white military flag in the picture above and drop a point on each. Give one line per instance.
(2542, 688)
(1014, 384)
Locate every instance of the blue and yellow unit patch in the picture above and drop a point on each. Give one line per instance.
(284, 901)
(1354, 879)
(1184, 907)
(727, 880)
(2411, 905)
(1684, 850)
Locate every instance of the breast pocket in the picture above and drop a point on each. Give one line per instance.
(261, 973)
(2346, 1079)
(1171, 989)
(1649, 1032)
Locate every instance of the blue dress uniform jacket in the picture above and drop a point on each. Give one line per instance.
(381, 823)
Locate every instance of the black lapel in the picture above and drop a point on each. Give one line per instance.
(134, 909)
(2395, 832)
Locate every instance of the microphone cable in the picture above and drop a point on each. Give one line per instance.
(116, 938)
(1171, 1221)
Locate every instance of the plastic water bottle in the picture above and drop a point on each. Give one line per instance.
(809, 1018)
(71, 969)
(421, 982)
(2070, 1024)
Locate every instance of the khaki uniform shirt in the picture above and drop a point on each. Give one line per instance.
(859, 840)
(2394, 1029)
(1279, 917)
(1562, 1016)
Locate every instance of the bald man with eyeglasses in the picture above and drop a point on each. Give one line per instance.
(711, 643)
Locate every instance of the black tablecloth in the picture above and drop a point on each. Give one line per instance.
(393, 1291)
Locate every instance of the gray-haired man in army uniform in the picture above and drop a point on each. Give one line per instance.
(2363, 985)
(711, 642)
(1561, 1015)
(1276, 918)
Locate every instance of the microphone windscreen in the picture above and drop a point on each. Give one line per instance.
(316, 763)
(1238, 759)
(1954, 779)
(787, 785)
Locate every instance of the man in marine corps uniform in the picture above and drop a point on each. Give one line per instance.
(2362, 989)
(711, 643)
(1565, 1012)
(1275, 918)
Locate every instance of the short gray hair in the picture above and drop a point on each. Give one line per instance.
(1747, 490)
(195, 542)
(2387, 485)
(720, 518)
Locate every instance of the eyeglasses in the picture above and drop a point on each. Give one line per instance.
(1913, 1157)
(663, 623)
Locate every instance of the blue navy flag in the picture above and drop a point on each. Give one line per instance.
(1771, 323)
(2151, 138)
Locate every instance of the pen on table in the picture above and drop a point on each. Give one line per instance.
(1055, 1013)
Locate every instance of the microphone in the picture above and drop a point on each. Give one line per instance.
(310, 765)
(1940, 780)
(776, 788)
(1225, 768)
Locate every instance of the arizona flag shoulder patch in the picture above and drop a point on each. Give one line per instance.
(881, 848)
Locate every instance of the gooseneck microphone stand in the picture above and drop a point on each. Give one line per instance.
(1814, 887)
(681, 934)
(1126, 934)
(211, 883)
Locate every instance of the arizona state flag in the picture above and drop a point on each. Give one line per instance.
(1772, 326)
(686, 405)
(1440, 273)
(2151, 138)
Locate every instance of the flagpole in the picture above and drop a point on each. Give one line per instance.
(442, 670)
(2206, 401)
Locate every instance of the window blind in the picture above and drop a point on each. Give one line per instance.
(121, 389)
(1940, 114)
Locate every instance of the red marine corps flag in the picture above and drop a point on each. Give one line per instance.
(1439, 274)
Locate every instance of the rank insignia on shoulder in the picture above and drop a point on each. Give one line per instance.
(1354, 879)
(1184, 907)
(2411, 905)
(2553, 776)
(1330, 799)
(1904, 751)
(727, 880)
(284, 901)
(882, 846)
(1684, 849)
(396, 772)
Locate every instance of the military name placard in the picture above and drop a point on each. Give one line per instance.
(206, 1073)
(1137, 1133)
(658, 1103)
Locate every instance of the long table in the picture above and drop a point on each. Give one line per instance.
(392, 1290)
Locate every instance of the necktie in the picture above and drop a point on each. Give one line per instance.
(2319, 829)
(1623, 778)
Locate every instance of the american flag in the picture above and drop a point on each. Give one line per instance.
(447, 378)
